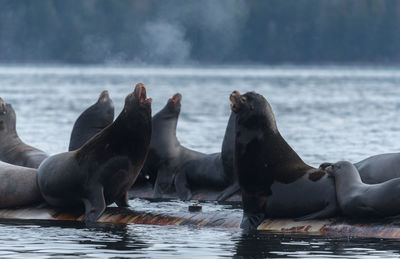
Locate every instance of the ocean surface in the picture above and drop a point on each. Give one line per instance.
(325, 113)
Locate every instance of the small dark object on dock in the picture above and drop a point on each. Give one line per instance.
(195, 207)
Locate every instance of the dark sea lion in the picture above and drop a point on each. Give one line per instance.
(18, 186)
(105, 167)
(376, 169)
(211, 172)
(357, 199)
(12, 149)
(274, 180)
(93, 120)
(166, 154)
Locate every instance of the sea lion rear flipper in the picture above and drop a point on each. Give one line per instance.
(327, 212)
(94, 204)
(229, 191)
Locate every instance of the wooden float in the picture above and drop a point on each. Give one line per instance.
(221, 219)
(146, 192)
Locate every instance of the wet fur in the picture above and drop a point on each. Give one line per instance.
(103, 169)
(274, 180)
(93, 120)
(12, 149)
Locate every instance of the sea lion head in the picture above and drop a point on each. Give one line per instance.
(7, 117)
(137, 100)
(104, 97)
(252, 109)
(172, 109)
(106, 105)
(174, 103)
(340, 168)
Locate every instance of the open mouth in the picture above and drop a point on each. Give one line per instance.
(176, 98)
(140, 89)
(234, 98)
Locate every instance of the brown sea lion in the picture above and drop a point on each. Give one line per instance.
(274, 180)
(18, 186)
(104, 168)
(376, 169)
(357, 199)
(12, 149)
(211, 172)
(93, 120)
(166, 154)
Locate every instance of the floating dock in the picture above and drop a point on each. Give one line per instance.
(220, 219)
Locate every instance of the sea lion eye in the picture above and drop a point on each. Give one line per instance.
(243, 99)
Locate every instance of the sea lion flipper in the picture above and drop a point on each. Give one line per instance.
(327, 212)
(324, 165)
(182, 186)
(94, 204)
(164, 182)
(229, 191)
(251, 221)
(123, 201)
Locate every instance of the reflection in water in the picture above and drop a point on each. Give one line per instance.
(65, 238)
(267, 244)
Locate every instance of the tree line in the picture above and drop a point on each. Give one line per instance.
(204, 32)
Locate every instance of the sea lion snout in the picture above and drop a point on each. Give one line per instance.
(235, 101)
(138, 95)
(329, 170)
(3, 106)
(140, 92)
(176, 98)
(104, 96)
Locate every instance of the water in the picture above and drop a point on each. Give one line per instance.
(324, 113)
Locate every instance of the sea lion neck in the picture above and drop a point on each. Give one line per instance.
(347, 179)
(9, 121)
(164, 124)
(114, 138)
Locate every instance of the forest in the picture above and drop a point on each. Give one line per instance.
(200, 32)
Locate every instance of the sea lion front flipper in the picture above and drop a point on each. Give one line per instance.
(164, 182)
(123, 200)
(94, 204)
(253, 211)
(324, 165)
(251, 221)
(327, 212)
(229, 191)
(182, 186)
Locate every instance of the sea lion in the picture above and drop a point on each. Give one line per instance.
(357, 199)
(274, 180)
(12, 149)
(18, 186)
(211, 172)
(93, 120)
(104, 168)
(376, 169)
(166, 154)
